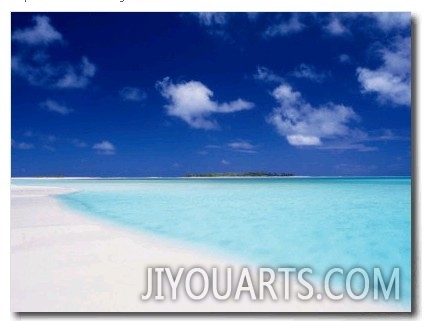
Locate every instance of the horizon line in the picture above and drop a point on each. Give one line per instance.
(202, 177)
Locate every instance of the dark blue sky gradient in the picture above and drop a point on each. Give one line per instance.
(138, 50)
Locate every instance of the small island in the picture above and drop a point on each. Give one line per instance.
(245, 174)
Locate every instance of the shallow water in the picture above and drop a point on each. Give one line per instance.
(291, 222)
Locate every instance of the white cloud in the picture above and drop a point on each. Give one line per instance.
(104, 148)
(392, 20)
(309, 72)
(239, 145)
(211, 18)
(77, 77)
(36, 66)
(388, 86)
(337, 24)
(214, 23)
(265, 74)
(192, 102)
(242, 146)
(132, 94)
(391, 81)
(305, 125)
(54, 106)
(42, 33)
(22, 145)
(335, 27)
(225, 162)
(344, 23)
(301, 71)
(61, 75)
(303, 140)
(286, 27)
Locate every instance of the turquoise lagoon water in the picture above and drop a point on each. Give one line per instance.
(319, 223)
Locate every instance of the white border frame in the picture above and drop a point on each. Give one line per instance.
(8, 6)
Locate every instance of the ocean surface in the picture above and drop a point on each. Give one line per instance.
(319, 223)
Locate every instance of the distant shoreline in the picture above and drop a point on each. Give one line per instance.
(193, 177)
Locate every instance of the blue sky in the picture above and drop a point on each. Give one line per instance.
(165, 94)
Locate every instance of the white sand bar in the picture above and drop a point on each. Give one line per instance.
(63, 261)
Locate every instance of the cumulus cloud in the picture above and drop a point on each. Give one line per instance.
(225, 162)
(62, 75)
(342, 24)
(392, 20)
(305, 125)
(211, 18)
(288, 26)
(192, 102)
(338, 24)
(309, 72)
(35, 65)
(42, 33)
(132, 94)
(335, 27)
(104, 148)
(54, 106)
(215, 23)
(77, 77)
(303, 140)
(391, 81)
(388, 86)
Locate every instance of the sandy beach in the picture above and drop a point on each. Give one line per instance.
(63, 261)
